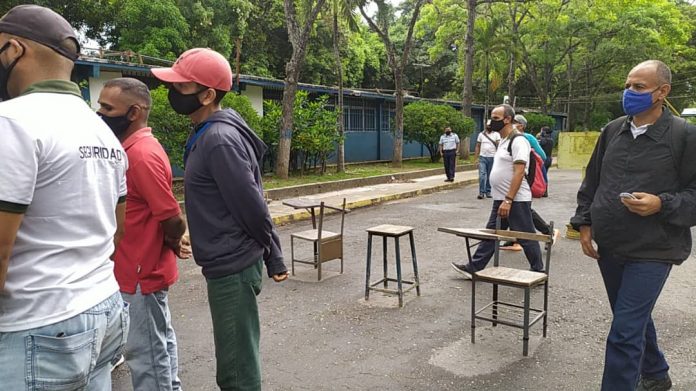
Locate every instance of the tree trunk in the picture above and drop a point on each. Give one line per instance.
(511, 79)
(397, 158)
(467, 94)
(570, 92)
(340, 153)
(285, 140)
(487, 100)
(238, 44)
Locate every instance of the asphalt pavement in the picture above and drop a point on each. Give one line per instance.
(324, 336)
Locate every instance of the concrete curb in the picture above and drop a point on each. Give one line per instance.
(304, 215)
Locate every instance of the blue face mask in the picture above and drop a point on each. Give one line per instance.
(636, 102)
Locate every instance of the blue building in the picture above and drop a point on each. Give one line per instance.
(368, 114)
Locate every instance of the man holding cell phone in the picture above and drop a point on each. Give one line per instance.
(638, 203)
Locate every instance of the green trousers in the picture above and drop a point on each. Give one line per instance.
(236, 330)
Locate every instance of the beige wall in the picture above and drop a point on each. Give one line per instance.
(97, 83)
(575, 149)
(255, 95)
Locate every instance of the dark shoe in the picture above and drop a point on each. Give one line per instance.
(488, 195)
(546, 194)
(648, 384)
(480, 196)
(463, 269)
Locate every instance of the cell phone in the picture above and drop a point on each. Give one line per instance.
(628, 195)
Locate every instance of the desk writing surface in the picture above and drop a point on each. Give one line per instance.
(302, 203)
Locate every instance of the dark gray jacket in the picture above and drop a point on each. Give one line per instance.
(659, 162)
(228, 218)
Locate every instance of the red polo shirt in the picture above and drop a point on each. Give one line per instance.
(142, 257)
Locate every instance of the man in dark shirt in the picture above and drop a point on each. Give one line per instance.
(546, 142)
(639, 235)
(232, 233)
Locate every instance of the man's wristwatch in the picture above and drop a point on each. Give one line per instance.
(507, 202)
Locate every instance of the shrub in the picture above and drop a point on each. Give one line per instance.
(424, 122)
(536, 121)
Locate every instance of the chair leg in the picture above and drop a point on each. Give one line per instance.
(292, 256)
(415, 262)
(317, 261)
(384, 259)
(367, 273)
(400, 288)
(525, 337)
(341, 254)
(494, 308)
(546, 306)
(473, 310)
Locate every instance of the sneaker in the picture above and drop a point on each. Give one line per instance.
(118, 362)
(480, 196)
(512, 247)
(463, 269)
(488, 195)
(648, 384)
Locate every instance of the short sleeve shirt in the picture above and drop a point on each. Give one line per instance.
(63, 168)
(142, 257)
(488, 143)
(449, 142)
(503, 166)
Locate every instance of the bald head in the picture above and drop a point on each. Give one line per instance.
(663, 75)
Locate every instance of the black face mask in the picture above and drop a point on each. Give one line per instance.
(497, 125)
(184, 104)
(5, 73)
(448, 132)
(118, 124)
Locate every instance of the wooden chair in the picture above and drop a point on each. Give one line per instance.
(497, 311)
(327, 245)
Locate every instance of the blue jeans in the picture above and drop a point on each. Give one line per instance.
(74, 354)
(485, 167)
(151, 351)
(633, 288)
(520, 219)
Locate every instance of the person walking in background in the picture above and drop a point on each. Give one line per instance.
(546, 142)
(449, 148)
(637, 202)
(512, 197)
(62, 204)
(232, 233)
(145, 260)
(486, 145)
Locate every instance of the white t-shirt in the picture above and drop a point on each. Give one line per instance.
(638, 130)
(449, 143)
(59, 158)
(501, 173)
(488, 147)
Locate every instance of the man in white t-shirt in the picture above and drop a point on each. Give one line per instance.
(486, 145)
(449, 148)
(512, 197)
(62, 202)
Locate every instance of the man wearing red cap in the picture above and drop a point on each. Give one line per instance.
(62, 204)
(232, 233)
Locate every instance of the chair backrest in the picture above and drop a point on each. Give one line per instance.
(322, 207)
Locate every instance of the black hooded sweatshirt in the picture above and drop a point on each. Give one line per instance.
(228, 218)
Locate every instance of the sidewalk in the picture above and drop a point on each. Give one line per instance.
(372, 195)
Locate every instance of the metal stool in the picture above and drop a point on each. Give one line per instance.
(393, 231)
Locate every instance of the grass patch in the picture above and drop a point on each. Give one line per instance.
(352, 172)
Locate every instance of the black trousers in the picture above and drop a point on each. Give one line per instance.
(450, 158)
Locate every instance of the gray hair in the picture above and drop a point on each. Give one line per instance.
(134, 88)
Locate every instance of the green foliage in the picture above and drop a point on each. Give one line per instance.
(150, 27)
(424, 122)
(535, 121)
(170, 128)
(314, 133)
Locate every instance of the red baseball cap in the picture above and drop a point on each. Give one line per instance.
(201, 65)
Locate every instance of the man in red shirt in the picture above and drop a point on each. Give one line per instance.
(145, 259)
